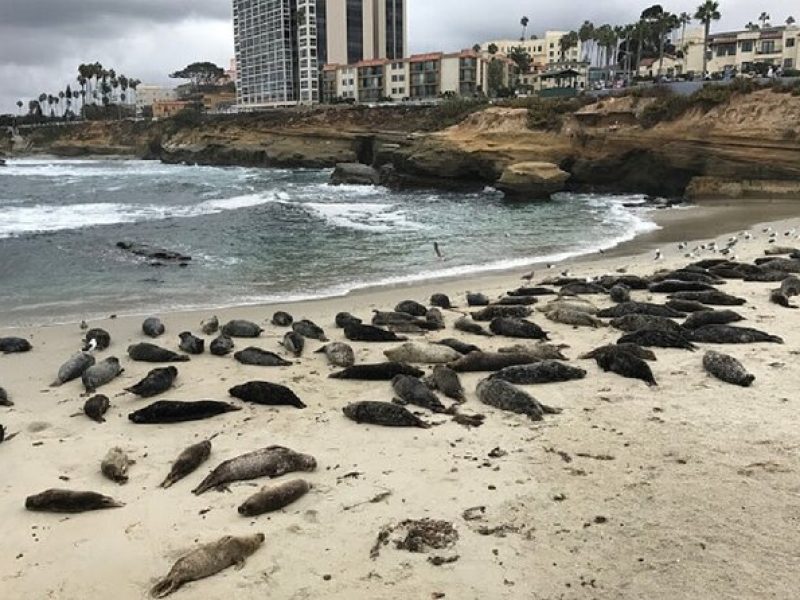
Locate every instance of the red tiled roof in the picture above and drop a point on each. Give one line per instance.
(372, 63)
(424, 57)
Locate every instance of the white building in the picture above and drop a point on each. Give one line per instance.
(147, 95)
(543, 51)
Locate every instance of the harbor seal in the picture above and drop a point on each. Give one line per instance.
(272, 498)
(711, 298)
(272, 461)
(73, 368)
(518, 328)
(221, 346)
(260, 358)
(545, 371)
(241, 329)
(575, 318)
(639, 308)
(156, 382)
(623, 361)
(68, 501)
(575, 304)
(539, 350)
(266, 393)
(711, 317)
(467, 325)
(671, 286)
(210, 326)
(491, 313)
(100, 374)
(458, 345)
(377, 372)
(727, 369)
(620, 293)
(369, 333)
(96, 407)
(343, 319)
(436, 319)
(505, 396)
(727, 334)
(658, 339)
(636, 322)
(145, 352)
(187, 462)
(282, 319)
(13, 345)
(191, 344)
(115, 465)
(489, 361)
(412, 308)
(411, 390)
(153, 327)
(582, 287)
(4, 400)
(532, 291)
(385, 414)
(633, 349)
(687, 306)
(172, 411)
(208, 560)
(517, 301)
(294, 343)
(441, 301)
(446, 380)
(338, 354)
(477, 299)
(310, 330)
(96, 339)
(432, 354)
(384, 318)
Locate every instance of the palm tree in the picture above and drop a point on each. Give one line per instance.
(619, 33)
(790, 21)
(492, 49)
(605, 37)
(684, 19)
(19, 106)
(666, 25)
(524, 22)
(752, 26)
(707, 12)
(586, 33)
(764, 18)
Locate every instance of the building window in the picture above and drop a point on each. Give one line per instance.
(768, 47)
(790, 42)
(747, 46)
(788, 63)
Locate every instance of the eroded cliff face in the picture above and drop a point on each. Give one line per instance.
(755, 138)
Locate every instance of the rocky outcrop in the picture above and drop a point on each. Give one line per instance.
(355, 174)
(712, 188)
(531, 181)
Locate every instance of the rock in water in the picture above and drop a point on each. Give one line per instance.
(208, 560)
(102, 373)
(503, 395)
(191, 344)
(386, 414)
(156, 382)
(294, 343)
(377, 372)
(73, 368)
(338, 354)
(96, 407)
(446, 381)
(727, 369)
(282, 319)
(115, 465)
(272, 462)
(411, 390)
(172, 411)
(11, 345)
(368, 333)
(153, 327)
(309, 330)
(517, 328)
(260, 358)
(546, 371)
(624, 362)
(263, 392)
(187, 462)
(210, 326)
(241, 329)
(221, 346)
(422, 353)
(97, 339)
(273, 498)
(68, 501)
(151, 353)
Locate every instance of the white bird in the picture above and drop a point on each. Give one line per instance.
(658, 255)
(92, 345)
(528, 276)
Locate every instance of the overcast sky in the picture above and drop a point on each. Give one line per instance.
(43, 41)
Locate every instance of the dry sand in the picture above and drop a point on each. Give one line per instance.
(687, 490)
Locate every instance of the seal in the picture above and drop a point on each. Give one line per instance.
(377, 372)
(241, 329)
(271, 462)
(633, 349)
(658, 339)
(368, 333)
(518, 328)
(505, 396)
(711, 298)
(96, 339)
(338, 354)
(687, 306)
(210, 326)
(68, 501)
(575, 318)
(539, 350)
(13, 345)
(578, 288)
(4, 401)
(727, 369)
(343, 319)
(701, 276)
(208, 560)
(310, 330)
(115, 465)
(441, 301)
(73, 368)
(431, 354)
(446, 381)
(411, 390)
(467, 325)
(458, 345)
(410, 307)
(636, 322)
(639, 308)
(546, 371)
(385, 414)
(711, 317)
(532, 291)
(477, 299)
(172, 411)
(517, 301)
(436, 319)
(263, 392)
(489, 361)
(221, 346)
(671, 286)
(153, 327)
(100, 374)
(187, 462)
(260, 358)
(191, 344)
(156, 382)
(624, 361)
(294, 343)
(96, 407)
(282, 319)
(270, 499)
(632, 282)
(727, 334)
(384, 318)
(574, 304)
(620, 293)
(145, 352)
(502, 312)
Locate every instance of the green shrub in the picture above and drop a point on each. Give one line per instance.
(455, 109)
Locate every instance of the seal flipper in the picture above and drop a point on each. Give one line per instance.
(164, 587)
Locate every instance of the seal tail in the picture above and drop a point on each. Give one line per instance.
(164, 587)
(56, 383)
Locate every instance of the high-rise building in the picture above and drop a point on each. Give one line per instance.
(282, 45)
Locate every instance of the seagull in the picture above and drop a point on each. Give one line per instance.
(84, 325)
(92, 345)
(528, 277)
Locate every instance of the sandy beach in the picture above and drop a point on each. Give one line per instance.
(686, 490)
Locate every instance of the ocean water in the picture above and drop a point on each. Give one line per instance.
(259, 235)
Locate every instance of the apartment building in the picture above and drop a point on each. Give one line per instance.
(543, 51)
(147, 95)
(419, 77)
(281, 45)
(740, 50)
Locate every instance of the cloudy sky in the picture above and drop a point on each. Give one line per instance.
(43, 41)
